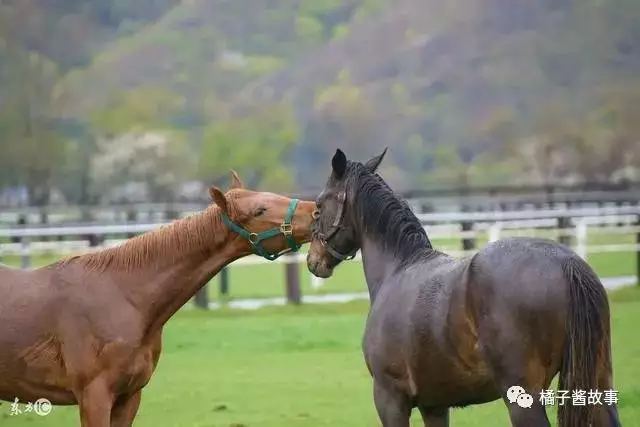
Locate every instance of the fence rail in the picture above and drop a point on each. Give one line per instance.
(468, 227)
(617, 212)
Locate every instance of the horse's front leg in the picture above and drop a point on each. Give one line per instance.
(125, 409)
(95, 401)
(435, 417)
(393, 406)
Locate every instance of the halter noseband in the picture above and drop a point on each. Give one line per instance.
(256, 238)
(335, 227)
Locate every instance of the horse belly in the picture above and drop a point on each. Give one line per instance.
(454, 376)
(30, 392)
(35, 372)
(454, 384)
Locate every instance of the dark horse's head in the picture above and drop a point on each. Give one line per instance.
(335, 230)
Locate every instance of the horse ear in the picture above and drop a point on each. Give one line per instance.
(218, 198)
(372, 164)
(339, 163)
(236, 182)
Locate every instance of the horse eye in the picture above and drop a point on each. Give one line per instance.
(259, 211)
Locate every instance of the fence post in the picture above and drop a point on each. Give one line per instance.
(564, 223)
(44, 220)
(25, 257)
(132, 217)
(22, 221)
(95, 240)
(620, 204)
(494, 232)
(293, 279)
(201, 299)
(638, 250)
(224, 282)
(581, 238)
(468, 243)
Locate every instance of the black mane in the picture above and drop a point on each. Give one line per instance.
(386, 216)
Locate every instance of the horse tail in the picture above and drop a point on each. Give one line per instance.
(586, 363)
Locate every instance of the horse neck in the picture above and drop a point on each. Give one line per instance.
(381, 260)
(160, 271)
(377, 264)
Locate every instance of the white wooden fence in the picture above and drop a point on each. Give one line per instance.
(488, 225)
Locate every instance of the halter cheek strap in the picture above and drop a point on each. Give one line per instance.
(256, 239)
(335, 227)
(338, 255)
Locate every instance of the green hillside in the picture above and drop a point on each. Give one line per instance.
(476, 91)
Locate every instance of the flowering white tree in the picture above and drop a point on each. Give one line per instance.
(156, 162)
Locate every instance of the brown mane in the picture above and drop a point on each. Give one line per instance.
(198, 232)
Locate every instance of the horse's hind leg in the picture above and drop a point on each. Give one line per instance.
(527, 411)
(530, 416)
(393, 406)
(435, 417)
(125, 409)
(519, 367)
(509, 371)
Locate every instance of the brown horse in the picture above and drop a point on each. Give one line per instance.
(445, 332)
(87, 330)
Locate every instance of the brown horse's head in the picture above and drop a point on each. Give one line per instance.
(335, 233)
(269, 223)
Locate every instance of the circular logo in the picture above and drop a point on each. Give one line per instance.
(513, 392)
(525, 400)
(42, 407)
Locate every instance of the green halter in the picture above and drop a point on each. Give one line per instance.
(256, 238)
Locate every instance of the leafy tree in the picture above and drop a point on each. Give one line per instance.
(545, 90)
(30, 150)
(309, 28)
(346, 117)
(141, 108)
(451, 170)
(256, 144)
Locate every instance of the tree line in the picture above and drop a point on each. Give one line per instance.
(99, 95)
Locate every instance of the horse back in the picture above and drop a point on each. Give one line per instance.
(520, 274)
(27, 299)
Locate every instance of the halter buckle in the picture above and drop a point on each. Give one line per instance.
(255, 238)
(286, 229)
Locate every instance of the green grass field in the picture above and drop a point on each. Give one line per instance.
(302, 367)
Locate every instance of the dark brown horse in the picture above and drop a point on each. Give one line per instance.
(87, 330)
(445, 332)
